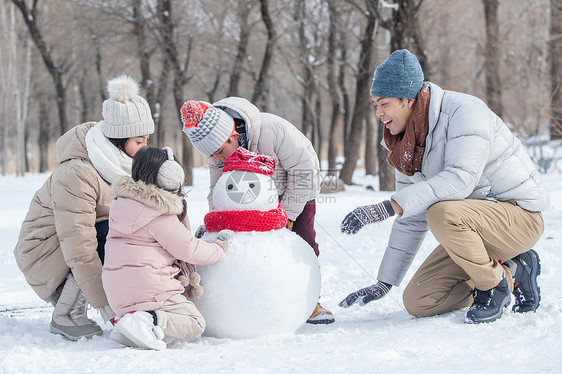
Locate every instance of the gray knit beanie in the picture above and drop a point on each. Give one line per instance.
(400, 75)
(125, 113)
(170, 175)
(206, 126)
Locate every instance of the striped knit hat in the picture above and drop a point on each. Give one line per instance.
(207, 127)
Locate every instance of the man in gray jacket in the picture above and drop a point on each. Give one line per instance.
(461, 174)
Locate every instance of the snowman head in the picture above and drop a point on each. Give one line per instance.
(246, 183)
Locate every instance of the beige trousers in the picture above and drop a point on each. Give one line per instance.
(180, 319)
(473, 235)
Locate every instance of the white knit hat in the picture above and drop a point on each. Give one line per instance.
(125, 113)
(206, 126)
(170, 175)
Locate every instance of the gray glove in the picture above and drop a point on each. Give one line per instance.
(366, 295)
(224, 239)
(364, 215)
(201, 230)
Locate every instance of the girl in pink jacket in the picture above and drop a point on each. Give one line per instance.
(147, 274)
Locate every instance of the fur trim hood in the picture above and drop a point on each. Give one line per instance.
(150, 195)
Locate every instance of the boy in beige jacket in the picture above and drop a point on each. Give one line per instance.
(217, 130)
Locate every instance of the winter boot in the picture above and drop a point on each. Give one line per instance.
(70, 317)
(488, 305)
(320, 316)
(525, 288)
(139, 328)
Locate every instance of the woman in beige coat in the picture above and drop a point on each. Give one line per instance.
(60, 246)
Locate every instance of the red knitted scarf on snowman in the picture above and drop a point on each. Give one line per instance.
(246, 220)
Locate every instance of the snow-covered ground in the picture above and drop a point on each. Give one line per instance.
(378, 338)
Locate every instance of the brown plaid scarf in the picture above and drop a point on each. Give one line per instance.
(407, 148)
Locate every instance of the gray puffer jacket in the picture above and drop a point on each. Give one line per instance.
(470, 154)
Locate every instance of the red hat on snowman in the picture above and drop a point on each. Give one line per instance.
(254, 162)
(247, 220)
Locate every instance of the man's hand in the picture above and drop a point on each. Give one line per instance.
(366, 295)
(364, 215)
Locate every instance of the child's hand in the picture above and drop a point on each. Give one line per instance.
(224, 239)
(201, 230)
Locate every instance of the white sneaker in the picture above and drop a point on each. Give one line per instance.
(118, 337)
(139, 328)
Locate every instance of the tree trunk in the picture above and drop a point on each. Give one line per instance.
(336, 117)
(180, 79)
(55, 69)
(555, 47)
(361, 101)
(371, 145)
(4, 87)
(404, 34)
(387, 179)
(343, 89)
(244, 7)
(101, 83)
(307, 75)
(83, 93)
(259, 88)
(159, 100)
(317, 144)
(492, 57)
(43, 139)
(145, 54)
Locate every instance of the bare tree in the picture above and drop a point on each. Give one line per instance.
(555, 70)
(243, 11)
(371, 144)
(306, 80)
(405, 30)
(361, 88)
(168, 36)
(259, 88)
(5, 73)
(404, 34)
(492, 57)
(43, 139)
(56, 69)
(17, 82)
(335, 97)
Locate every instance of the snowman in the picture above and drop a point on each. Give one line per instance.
(269, 282)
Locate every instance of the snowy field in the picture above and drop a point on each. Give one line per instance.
(378, 338)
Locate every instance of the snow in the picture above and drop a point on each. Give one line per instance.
(378, 338)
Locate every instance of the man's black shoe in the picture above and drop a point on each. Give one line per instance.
(525, 288)
(488, 305)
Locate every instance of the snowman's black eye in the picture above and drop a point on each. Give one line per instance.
(252, 185)
(230, 186)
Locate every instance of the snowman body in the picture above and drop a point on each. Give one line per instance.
(269, 281)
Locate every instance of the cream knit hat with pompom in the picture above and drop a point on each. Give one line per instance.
(125, 113)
